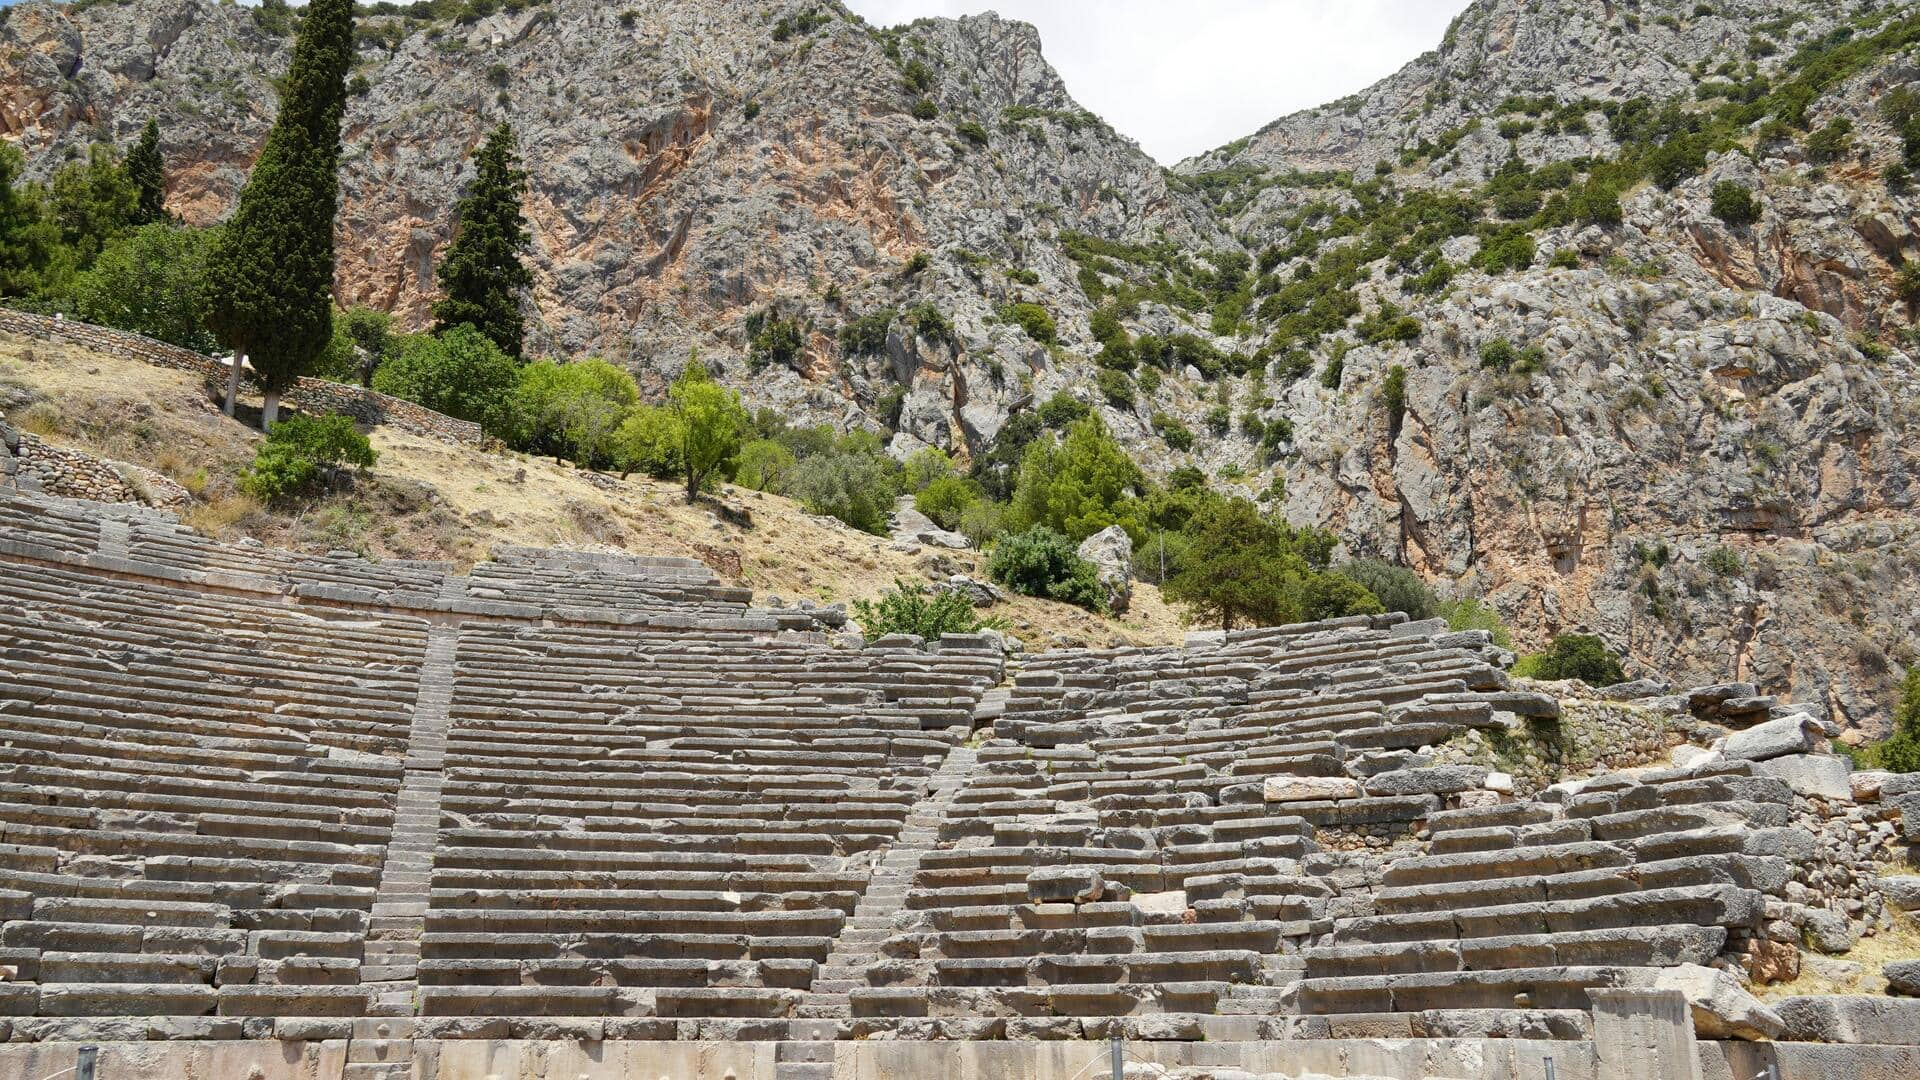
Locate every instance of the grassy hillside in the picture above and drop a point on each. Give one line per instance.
(429, 500)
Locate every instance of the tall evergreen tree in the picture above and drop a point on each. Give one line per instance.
(31, 251)
(481, 273)
(271, 287)
(149, 175)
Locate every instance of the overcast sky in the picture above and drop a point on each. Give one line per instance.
(1184, 76)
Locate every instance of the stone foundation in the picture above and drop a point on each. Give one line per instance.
(1395, 1059)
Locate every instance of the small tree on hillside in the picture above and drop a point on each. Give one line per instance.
(481, 273)
(149, 175)
(271, 287)
(712, 425)
(1239, 568)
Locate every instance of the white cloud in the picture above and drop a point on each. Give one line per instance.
(1185, 76)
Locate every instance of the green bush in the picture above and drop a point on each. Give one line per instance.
(983, 521)
(1577, 656)
(1900, 751)
(946, 499)
(925, 109)
(1725, 562)
(1063, 409)
(461, 373)
(1507, 250)
(1034, 320)
(1831, 143)
(1078, 486)
(1115, 388)
(1396, 587)
(649, 441)
(909, 609)
(1042, 562)
(303, 456)
(763, 466)
(867, 334)
(1734, 204)
(1335, 596)
(1173, 432)
(857, 487)
(773, 340)
(1469, 613)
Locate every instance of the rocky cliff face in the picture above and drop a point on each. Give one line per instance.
(1709, 458)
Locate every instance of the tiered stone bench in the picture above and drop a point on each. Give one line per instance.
(599, 815)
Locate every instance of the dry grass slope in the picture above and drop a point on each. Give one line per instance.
(429, 500)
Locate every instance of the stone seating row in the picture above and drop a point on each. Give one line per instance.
(668, 826)
(196, 790)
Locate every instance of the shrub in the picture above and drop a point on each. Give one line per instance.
(1565, 259)
(867, 334)
(1078, 487)
(763, 465)
(1115, 387)
(773, 340)
(1469, 613)
(946, 499)
(983, 521)
(1034, 320)
(855, 486)
(1173, 432)
(461, 373)
(1393, 394)
(1509, 249)
(1900, 751)
(304, 456)
(973, 131)
(925, 109)
(1063, 409)
(1734, 204)
(1578, 656)
(1595, 202)
(1831, 143)
(1042, 562)
(1906, 282)
(1725, 562)
(1335, 596)
(909, 609)
(1387, 325)
(648, 441)
(1396, 587)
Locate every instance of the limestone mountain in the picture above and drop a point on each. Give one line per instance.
(1410, 311)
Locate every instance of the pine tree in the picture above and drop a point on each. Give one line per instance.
(271, 287)
(149, 175)
(481, 274)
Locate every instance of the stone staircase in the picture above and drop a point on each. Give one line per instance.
(870, 924)
(392, 959)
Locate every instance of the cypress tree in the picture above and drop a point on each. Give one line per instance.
(271, 281)
(148, 172)
(481, 273)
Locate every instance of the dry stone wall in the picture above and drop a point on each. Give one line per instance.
(30, 463)
(317, 396)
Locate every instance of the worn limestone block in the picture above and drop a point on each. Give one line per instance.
(1821, 775)
(1888, 1021)
(1309, 788)
(1773, 739)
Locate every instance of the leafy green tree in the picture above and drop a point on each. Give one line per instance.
(712, 426)
(1335, 596)
(371, 332)
(1042, 562)
(763, 465)
(461, 373)
(148, 171)
(997, 470)
(856, 486)
(1081, 485)
(925, 466)
(909, 609)
(1577, 656)
(482, 275)
(946, 498)
(31, 254)
(271, 289)
(1240, 567)
(305, 456)
(568, 410)
(94, 201)
(151, 281)
(648, 441)
(1900, 752)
